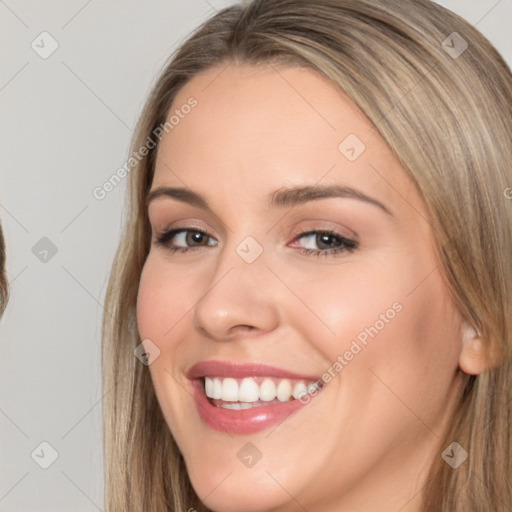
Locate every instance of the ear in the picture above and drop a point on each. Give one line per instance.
(472, 355)
(477, 353)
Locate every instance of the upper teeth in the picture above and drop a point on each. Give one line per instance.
(248, 390)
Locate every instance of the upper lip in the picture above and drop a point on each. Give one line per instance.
(240, 370)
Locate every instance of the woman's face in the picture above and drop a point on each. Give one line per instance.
(317, 263)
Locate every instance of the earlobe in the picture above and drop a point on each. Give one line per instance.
(472, 359)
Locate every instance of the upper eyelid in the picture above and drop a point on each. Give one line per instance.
(223, 227)
(186, 226)
(189, 224)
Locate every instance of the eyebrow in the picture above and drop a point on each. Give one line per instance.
(281, 198)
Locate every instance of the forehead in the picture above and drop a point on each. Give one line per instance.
(261, 127)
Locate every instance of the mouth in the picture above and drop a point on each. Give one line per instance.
(245, 398)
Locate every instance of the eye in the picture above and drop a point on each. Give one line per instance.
(328, 243)
(189, 237)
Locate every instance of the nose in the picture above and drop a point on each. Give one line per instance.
(238, 298)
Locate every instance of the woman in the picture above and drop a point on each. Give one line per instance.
(377, 135)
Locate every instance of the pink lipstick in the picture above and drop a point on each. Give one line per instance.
(243, 398)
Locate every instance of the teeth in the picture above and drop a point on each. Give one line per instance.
(237, 406)
(299, 390)
(247, 391)
(208, 386)
(230, 390)
(217, 389)
(267, 390)
(284, 390)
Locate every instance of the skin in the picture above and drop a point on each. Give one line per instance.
(365, 442)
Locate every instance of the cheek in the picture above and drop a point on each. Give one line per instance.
(407, 304)
(151, 302)
(161, 318)
(395, 319)
(335, 305)
(162, 300)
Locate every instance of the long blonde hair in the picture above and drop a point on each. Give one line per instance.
(446, 111)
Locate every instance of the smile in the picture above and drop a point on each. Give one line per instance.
(245, 398)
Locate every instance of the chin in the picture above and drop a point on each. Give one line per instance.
(238, 492)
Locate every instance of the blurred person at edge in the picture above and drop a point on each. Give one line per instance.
(4, 286)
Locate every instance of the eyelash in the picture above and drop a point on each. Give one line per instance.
(346, 244)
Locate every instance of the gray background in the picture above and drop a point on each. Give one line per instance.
(65, 127)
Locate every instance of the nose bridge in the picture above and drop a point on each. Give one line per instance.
(237, 293)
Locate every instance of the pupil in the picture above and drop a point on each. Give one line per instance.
(194, 237)
(321, 239)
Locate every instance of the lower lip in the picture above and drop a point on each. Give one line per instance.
(244, 421)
